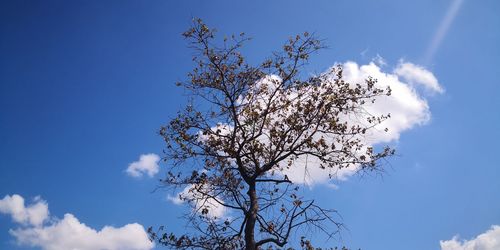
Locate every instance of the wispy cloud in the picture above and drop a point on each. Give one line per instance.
(442, 30)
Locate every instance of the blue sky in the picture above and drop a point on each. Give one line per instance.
(85, 85)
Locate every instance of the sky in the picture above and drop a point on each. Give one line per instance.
(85, 86)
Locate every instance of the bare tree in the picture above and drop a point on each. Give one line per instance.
(246, 126)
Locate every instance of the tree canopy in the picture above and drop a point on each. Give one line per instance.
(246, 126)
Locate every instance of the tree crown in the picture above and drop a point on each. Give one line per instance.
(256, 125)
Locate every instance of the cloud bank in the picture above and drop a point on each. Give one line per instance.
(146, 165)
(489, 240)
(38, 230)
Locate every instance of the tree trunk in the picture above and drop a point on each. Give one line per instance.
(251, 218)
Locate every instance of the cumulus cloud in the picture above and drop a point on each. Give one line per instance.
(199, 201)
(490, 240)
(147, 164)
(408, 108)
(34, 214)
(415, 74)
(68, 233)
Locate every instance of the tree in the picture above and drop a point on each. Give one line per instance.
(246, 127)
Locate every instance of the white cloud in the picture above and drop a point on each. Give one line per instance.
(407, 107)
(199, 201)
(147, 164)
(415, 74)
(490, 240)
(68, 233)
(34, 214)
